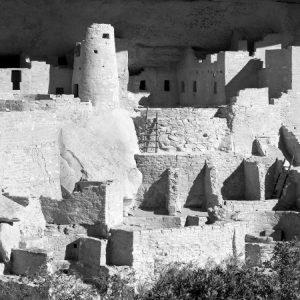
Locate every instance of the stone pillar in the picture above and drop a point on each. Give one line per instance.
(99, 72)
(172, 196)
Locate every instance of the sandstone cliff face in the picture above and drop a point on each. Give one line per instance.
(52, 27)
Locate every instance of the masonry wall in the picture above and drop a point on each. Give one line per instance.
(155, 84)
(270, 42)
(241, 71)
(248, 111)
(227, 182)
(279, 71)
(60, 78)
(29, 154)
(201, 83)
(149, 249)
(99, 78)
(189, 129)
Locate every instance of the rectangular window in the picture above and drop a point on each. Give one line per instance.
(215, 88)
(16, 78)
(182, 87)
(143, 85)
(195, 86)
(167, 85)
(105, 36)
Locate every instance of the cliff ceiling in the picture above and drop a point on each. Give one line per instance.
(46, 27)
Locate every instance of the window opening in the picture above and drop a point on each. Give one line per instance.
(105, 36)
(16, 78)
(143, 85)
(167, 85)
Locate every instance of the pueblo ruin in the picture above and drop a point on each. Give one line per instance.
(148, 134)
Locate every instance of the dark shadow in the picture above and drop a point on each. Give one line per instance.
(155, 197)
(72, 251)
(196, 197)
(270, 180)
(234, 186)
(246, 78)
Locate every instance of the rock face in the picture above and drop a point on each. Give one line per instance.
(37, 28)
(103, 148)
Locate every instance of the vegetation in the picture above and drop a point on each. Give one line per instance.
(277, 279)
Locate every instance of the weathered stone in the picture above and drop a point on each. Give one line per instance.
(30, 261)
(93, 202)
(10, 211)
(9, 239)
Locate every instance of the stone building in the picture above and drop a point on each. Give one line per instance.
(75, 144)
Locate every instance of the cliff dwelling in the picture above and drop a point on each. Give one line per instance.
(145, 133)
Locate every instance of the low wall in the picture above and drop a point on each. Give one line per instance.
(188, 129)
(146, 250)
(226, 176)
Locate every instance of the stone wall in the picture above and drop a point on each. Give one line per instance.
(146, 250)
(279, 71)
(154, 79)
(196, 185)
(29, 154)
(92, 202)
(248, 109)
(34, 80)
(240, 72)
(188, 129)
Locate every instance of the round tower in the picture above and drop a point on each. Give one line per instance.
(99, 72)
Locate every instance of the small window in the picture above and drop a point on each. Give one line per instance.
(16, 78)
(182, 87)
(143, 85)
(105, 36)
(96, 51)
(215, 88)
(77, 50)
(59, 91)
(167, 85)
(75, 245)
(195, 86)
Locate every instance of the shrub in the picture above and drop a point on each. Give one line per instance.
(278, 279)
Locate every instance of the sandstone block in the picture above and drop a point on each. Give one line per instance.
(30, 261)
(92, 252)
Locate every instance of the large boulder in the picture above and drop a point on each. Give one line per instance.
(102, 148)
(9, 239)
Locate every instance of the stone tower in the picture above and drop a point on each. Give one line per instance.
(99, 72)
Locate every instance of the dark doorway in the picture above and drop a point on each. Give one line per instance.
(143, 85)
(76, 90)
(167, 85)
(16, 78)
